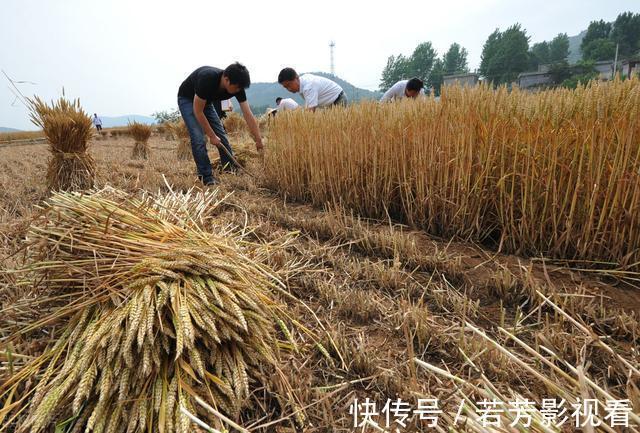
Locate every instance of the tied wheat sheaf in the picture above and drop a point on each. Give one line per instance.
(68, 130)
(162, 312)
(140, 133)
(180, 132)
(234, 124)
(554, 173)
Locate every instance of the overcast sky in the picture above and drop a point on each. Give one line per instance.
(129, 57)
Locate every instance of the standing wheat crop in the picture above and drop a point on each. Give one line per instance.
(554, 173)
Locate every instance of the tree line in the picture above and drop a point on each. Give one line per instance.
(425, 64)
(507, 53)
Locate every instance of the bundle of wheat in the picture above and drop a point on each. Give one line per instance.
(68, 129)
(140, 133)
(234, 123)
(241, 155)
(263, 122)
(179, 130)
(167, 312)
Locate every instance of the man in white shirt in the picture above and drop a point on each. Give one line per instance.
(315, 90)
(226, 105)
(286, 104)
(97, 122)
(404, 89)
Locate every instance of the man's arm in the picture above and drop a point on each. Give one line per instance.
(387, 95)
(252, 124)
(390, 94)
(198, 111)
(310, 96)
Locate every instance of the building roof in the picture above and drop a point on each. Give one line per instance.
(468, 74)
(531, 74)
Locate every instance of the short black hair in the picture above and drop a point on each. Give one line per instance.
(287, 74)
(238, 74)
(415, 84)
(278, 99)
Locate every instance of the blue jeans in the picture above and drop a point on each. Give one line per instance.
(198, 138)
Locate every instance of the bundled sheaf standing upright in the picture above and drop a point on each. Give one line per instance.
(163, 312)
(140, 133)
(68, 129)
(181, 133)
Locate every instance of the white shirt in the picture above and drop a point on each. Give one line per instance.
(287, 104)
(397, 91)
(318, 91)
(97, 121)
(226, 105)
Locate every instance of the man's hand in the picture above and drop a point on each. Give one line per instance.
(215, 140)
(252, 124)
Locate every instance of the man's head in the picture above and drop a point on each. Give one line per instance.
(95, 115)
(289, 79)
(235, 78)
(413, 88)
(278, 99)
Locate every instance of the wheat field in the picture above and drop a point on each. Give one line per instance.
(554, 173)
(105, 325)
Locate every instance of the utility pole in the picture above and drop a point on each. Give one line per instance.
(615, 63)
(332, 45)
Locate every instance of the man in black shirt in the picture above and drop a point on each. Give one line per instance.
(196, 97)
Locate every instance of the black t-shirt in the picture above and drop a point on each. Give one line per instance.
(205, 82)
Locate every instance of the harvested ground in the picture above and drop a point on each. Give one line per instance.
(381, 295)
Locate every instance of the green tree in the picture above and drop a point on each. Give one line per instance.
(596, 44)
(421, 61)
(396, 69)
(596, 30)
(515, 53)
(581, 73)
(539, 54)
(489, 53)
(626, 33)
(599, 49)
(560, 71)
(437, 76)
(455, 60)
(559, 48)
(166, 116)
(505, 55)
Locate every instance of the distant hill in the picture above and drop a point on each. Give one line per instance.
(574, 47)
(110, 122)
(353, 93)
(4, 129)
(263, 95)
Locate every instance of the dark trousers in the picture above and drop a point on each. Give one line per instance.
(341, 100)
(199, 140)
